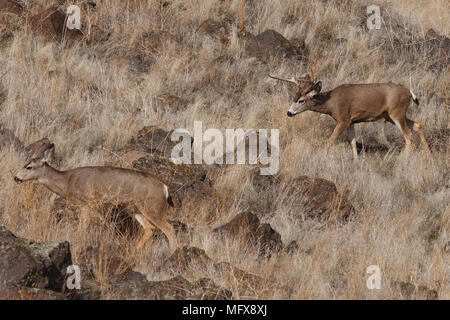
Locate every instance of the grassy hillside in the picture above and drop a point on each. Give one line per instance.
(91, 99)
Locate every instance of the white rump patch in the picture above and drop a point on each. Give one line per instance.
(166, 191)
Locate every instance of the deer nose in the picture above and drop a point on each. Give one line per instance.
(289, 114)
(17, 180)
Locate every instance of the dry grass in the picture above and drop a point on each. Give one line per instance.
(90, 107)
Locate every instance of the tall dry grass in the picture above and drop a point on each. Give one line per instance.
(90, 107)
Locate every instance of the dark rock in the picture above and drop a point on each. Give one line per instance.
(152, 140)
(187, 259)
(190, 261)
(156, 40)
(291, 247)
(182, 232)
(271, 44)
(33, 265)
(176, 288)
(318, 198)
(411, 291)
(90, 290)
(97, 35)
(111, 262)
(188, 184)
(51, 25)
(25, 293)
(171, 103)
(214, 29)
(437, 40)
(247, 226)
(301, 46)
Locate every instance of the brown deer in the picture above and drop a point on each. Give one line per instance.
(84, 185)
(348, 104)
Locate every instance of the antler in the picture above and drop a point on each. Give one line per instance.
(292, 80)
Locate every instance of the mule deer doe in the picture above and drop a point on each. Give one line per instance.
(353, 103)
(105, 184)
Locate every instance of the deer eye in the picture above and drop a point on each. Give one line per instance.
(300, 101)
(29, 168)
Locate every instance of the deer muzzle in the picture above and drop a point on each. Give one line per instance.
(18, 180)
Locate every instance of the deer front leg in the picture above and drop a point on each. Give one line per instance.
(351, 137)
(340, 127)
(83, 221)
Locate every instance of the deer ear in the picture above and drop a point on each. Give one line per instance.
(317, 87)
(48, 154)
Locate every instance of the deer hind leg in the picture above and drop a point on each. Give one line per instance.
(351, 137)
(168, 230)
(400, 122)
(148, 230)
(156, 217)
(338, 130)
(417, 127)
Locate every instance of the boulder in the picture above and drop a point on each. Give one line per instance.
(186, 260)
(131, 156)
(438, 47)
(270, 44)
(51, 25)
(176, 288)
(192, 261)
(152, 140)
(318, 198)
(312, 198)
(108, 262)
(32, 265)
(409, 290)
(97, 35)
(188, 184)
(25, 293)
(247, 227)
(156, 40)
(171, 103)
(135, 62)
(214, 29)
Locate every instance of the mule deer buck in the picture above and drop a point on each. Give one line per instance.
(353, 103)
(82, 185)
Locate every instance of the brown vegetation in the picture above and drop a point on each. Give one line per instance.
(101, 99)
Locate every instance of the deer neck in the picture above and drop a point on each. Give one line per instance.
(54, 180)
(321, 103)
